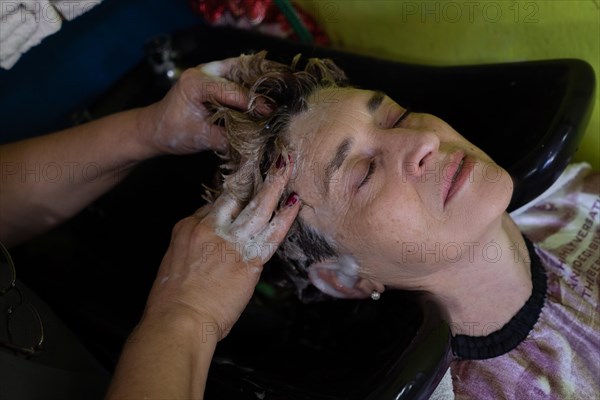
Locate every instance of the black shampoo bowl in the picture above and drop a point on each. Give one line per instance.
(96, 269)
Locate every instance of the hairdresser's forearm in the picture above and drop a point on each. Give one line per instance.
(48, 179)
(165, 358)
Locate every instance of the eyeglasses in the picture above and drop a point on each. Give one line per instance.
(21, 328)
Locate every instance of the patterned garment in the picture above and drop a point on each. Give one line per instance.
(560, 358)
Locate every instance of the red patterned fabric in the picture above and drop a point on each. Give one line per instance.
(261, 15)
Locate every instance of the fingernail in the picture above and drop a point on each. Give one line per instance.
(280, 163)
(213, 68)
(292, 199)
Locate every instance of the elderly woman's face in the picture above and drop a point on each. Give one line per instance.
(399, 194)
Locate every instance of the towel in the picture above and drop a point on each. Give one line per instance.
(572, 173)
(24, 24)
(70, 9)
(445, 390)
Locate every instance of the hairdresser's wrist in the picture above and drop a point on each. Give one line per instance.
(182, 319)
(167, 356)
(146, 131)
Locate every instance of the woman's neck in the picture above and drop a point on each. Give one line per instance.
(482, 295)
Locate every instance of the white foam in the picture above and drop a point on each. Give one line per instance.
(214, 68)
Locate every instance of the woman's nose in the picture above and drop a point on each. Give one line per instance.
(417, 151)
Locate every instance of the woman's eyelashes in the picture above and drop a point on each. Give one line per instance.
(401, 118)
(369, 174)
(372, 163)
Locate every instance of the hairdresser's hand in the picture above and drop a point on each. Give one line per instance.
(216, 256)
(180, 122)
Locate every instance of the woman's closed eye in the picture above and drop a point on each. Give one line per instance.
(372, 166)
(401, 119)
(372, 162)
(369, 174)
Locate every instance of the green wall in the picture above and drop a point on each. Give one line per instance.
(470, 32)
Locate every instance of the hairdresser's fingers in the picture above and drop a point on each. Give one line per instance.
(224, 210)
(279, 226)
(258, 212)
(221, 68)
(227, 207)
(227, 93)
(222, 89)
(217, 139)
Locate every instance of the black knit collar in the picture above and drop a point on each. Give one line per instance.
(515, 330)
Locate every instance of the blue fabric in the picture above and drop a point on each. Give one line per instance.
(72, 67)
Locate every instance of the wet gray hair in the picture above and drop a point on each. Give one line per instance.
(277, 93)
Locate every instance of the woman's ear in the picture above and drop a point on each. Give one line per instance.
(340, 279)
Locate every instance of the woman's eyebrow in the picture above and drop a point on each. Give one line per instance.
(375, 101)
(336, 162)
(343, 149)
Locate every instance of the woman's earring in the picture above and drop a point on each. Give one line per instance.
(375, 295)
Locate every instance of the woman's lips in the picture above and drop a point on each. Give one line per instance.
(456, 174)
